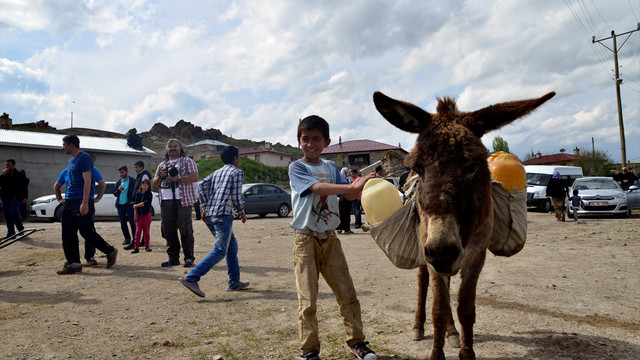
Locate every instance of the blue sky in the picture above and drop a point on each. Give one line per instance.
(253, 68)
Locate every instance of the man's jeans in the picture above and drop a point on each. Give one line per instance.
(11, 209)
(226, 246)
(125, 214)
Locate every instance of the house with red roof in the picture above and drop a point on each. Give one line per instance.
(555, 159)
(359, 153)
(266, 155)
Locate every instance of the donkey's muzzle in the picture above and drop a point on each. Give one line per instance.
(443, 248)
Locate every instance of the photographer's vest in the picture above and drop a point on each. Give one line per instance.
(165, 186)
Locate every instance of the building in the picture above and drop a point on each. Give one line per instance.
(359, 154)
(205, 148)
(40, 155)
(267, 156)
(555, 159)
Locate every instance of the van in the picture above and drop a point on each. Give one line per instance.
(538, 177)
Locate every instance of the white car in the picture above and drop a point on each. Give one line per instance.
(47, 207)
(603, 195)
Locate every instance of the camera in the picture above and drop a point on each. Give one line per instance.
(172, 170)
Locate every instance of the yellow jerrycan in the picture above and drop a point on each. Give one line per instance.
(380, 199)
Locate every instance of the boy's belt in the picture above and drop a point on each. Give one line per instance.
(321, 236)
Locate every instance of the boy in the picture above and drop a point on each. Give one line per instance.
(576, 202)
(315, 184)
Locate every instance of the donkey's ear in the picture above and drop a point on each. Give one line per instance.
(495, 116)
(403, 115)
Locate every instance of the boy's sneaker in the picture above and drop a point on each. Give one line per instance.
(239, 286)
(311, 355)
(362, 351)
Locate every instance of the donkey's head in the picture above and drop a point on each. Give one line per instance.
(454, 196)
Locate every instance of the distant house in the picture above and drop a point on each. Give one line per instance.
(267, 156)
(359, 153)
(555, 159)
(41, 156)
(205, 148)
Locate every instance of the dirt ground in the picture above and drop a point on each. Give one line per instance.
(573, 292)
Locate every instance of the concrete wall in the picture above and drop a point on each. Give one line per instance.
(44, 165)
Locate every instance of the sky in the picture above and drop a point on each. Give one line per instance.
(252, 69)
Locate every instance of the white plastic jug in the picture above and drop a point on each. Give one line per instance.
(380, 199)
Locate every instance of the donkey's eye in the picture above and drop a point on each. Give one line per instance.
(470, 169)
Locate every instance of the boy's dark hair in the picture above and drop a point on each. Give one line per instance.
(139, 163)
(314, 122)
(378, 168)
(71, 139)
(575, 192)
(228, 154)
(354, 171)
(13, 162)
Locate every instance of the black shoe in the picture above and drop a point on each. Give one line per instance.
(188, 263)
(147, 249)
(311, 355)
(91, 262)
(111, 258)
(362, 351)
(135, 251)
(129, 247)
(126, 242)
(170, 263)
(68, 270)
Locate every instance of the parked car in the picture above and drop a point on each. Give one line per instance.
(48, 207)
(603, 195)
(263, 199)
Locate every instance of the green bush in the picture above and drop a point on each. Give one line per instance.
(254, 172)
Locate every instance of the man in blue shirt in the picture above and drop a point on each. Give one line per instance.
(124, 193)
(63, 179)
(77, 213)
(220, 192)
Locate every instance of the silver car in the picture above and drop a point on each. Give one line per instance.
(603, 195)
(47, 207)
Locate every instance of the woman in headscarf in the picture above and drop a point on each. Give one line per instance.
(558, 190)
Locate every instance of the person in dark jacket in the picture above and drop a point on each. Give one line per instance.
(13, 188)
(124, 193)
(558, 191)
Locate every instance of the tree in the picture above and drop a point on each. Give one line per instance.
(595, 163)
(500, 144)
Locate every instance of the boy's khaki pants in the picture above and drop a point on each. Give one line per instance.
(313, 256)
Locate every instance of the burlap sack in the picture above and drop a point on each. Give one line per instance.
(397, 236)
(509, 220)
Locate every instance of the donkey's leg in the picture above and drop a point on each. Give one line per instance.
(421, 313)
(440, 314)
(467, 304)
(453, 337)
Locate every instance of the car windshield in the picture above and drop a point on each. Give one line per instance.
(596, 184)
(538, 179)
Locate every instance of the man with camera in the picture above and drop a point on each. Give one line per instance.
(176, 177)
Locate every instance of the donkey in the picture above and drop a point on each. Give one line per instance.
(454, 199)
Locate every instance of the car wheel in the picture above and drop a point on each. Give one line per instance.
(57, 214)
(547, 206)
(283, 210)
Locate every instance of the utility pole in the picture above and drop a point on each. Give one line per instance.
(615, 49)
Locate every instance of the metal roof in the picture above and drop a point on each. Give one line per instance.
(260, 150)
(208, 142)
(359, 146)
(32, 139)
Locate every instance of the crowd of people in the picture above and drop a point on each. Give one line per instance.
(323, 199)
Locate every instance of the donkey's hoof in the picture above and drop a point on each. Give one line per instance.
(454, 340)
(418, 334)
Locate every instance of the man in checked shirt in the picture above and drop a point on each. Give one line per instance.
(219, 193)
